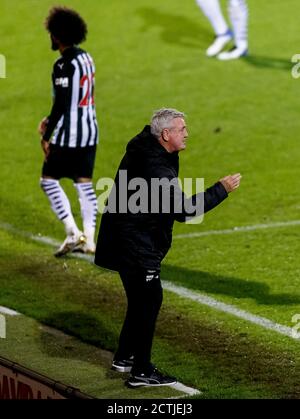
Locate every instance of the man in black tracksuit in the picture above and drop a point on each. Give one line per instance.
(133, 241)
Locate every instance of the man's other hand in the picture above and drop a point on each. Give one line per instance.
(43, 126)
(45, 146)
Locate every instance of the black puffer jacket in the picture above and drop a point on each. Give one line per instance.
(129, 241)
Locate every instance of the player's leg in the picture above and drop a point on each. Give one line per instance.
(212, 10)
(53, 170)
(61, 206)
(88, 206)
(85, 160)
(238, 13)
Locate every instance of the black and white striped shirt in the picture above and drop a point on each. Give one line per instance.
(73, 118)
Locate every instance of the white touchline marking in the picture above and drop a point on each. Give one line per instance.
(42, 239)
(8, 311)
(238, 229)
(45, 240)
(184, 292)
(185, 389)
(228, 308)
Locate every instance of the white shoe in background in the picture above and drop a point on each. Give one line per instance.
(234, 53)
(218, 44)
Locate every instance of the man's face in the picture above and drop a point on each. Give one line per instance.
(54, 43)
(176, 135)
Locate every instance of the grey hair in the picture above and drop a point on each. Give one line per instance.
(162, 119)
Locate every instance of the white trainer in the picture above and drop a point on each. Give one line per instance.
(70, 244)
(218, 44)
(234, 54)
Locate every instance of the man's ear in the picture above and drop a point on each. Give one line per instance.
(163, 135)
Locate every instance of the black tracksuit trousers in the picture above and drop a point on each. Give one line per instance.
(144, 296)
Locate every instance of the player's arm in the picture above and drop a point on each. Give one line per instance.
(45, 147)
(42, 126)
(61, 79)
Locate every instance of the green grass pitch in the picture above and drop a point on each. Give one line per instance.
(243, 116)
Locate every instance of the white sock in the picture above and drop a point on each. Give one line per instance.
(89, 208)
(238, 13)
(60, 204)
(212, 10)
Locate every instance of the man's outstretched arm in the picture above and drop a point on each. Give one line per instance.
(203, 202)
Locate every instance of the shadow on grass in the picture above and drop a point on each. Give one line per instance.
(88, 328)
(269, 62)
(233, 287)
(56, 343)
(175, 28)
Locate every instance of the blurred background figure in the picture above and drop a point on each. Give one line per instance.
(238, 15)
(69, 135)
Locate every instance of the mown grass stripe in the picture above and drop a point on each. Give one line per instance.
(181, 291)
(54, 243)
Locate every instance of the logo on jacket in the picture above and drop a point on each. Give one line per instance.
(151, 275)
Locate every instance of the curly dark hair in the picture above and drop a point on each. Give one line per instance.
(66, 25)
